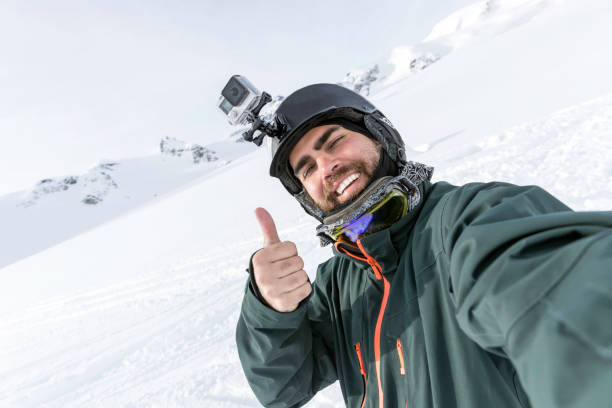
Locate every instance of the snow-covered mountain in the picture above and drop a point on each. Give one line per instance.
(481, 20)
(59, 208)
(135, 304)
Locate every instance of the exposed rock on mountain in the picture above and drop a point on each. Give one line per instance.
(174, 147)
(359, 80)
(93, 186)
(98, 183)
(48, 186)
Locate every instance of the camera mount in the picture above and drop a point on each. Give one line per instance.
(271, 129)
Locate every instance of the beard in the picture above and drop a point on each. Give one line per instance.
(330, 199)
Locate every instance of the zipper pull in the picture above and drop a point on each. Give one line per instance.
(363, 373)
(358, 350)
(400, 353)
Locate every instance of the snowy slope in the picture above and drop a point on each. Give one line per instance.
(522, 75)
(141, 310)
(59, 208)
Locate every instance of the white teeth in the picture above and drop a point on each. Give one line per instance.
(346, 182)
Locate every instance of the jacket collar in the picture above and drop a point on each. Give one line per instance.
(385, 246)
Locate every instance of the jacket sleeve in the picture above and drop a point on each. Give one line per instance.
(285, 356)
(532, 280)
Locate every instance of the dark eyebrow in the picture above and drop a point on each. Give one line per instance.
(300, 164)
(324, 137)
(317, 146)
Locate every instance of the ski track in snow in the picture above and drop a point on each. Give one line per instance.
(568, 153)
(150, 342)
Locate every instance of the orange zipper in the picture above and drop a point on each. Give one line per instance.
(387, 287)
(363, 373)
(400, 353)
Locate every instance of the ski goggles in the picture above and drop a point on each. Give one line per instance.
(380, 216)
(386, 200)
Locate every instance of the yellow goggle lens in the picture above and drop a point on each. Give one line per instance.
(382, 215)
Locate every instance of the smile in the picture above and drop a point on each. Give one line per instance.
(346, 183)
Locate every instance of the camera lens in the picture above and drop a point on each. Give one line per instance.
(234, 92)
(225, 106)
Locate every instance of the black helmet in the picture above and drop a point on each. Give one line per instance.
(314, 104)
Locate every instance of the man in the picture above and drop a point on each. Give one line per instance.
(485, 295)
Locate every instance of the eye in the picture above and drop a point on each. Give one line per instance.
(307, 171)
(333, 144)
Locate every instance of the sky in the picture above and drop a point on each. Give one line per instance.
(84, 81)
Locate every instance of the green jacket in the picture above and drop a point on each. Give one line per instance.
(491, 295)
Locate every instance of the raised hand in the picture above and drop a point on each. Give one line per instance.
(278, 268)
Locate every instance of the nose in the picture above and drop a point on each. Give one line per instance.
(327, 164)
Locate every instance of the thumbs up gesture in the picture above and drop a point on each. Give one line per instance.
(278, 268)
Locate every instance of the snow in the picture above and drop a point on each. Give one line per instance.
(132, 302)
(568, 153)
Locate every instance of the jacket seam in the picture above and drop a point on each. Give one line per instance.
(442, 214)
(516, 391)
(435, 260)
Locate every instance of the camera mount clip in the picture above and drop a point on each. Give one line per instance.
(272, 129)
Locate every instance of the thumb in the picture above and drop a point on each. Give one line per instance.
(268, 228)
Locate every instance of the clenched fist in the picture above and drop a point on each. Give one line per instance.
(278, 268)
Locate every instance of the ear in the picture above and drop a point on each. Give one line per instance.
(383, 130)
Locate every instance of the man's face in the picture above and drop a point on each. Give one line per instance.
(334, 164)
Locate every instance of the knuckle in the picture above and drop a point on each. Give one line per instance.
(289, 246)
(301, 278)
(280, 265)
(291, 282)
(285, 264)
(295, 264)
(274, 247)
